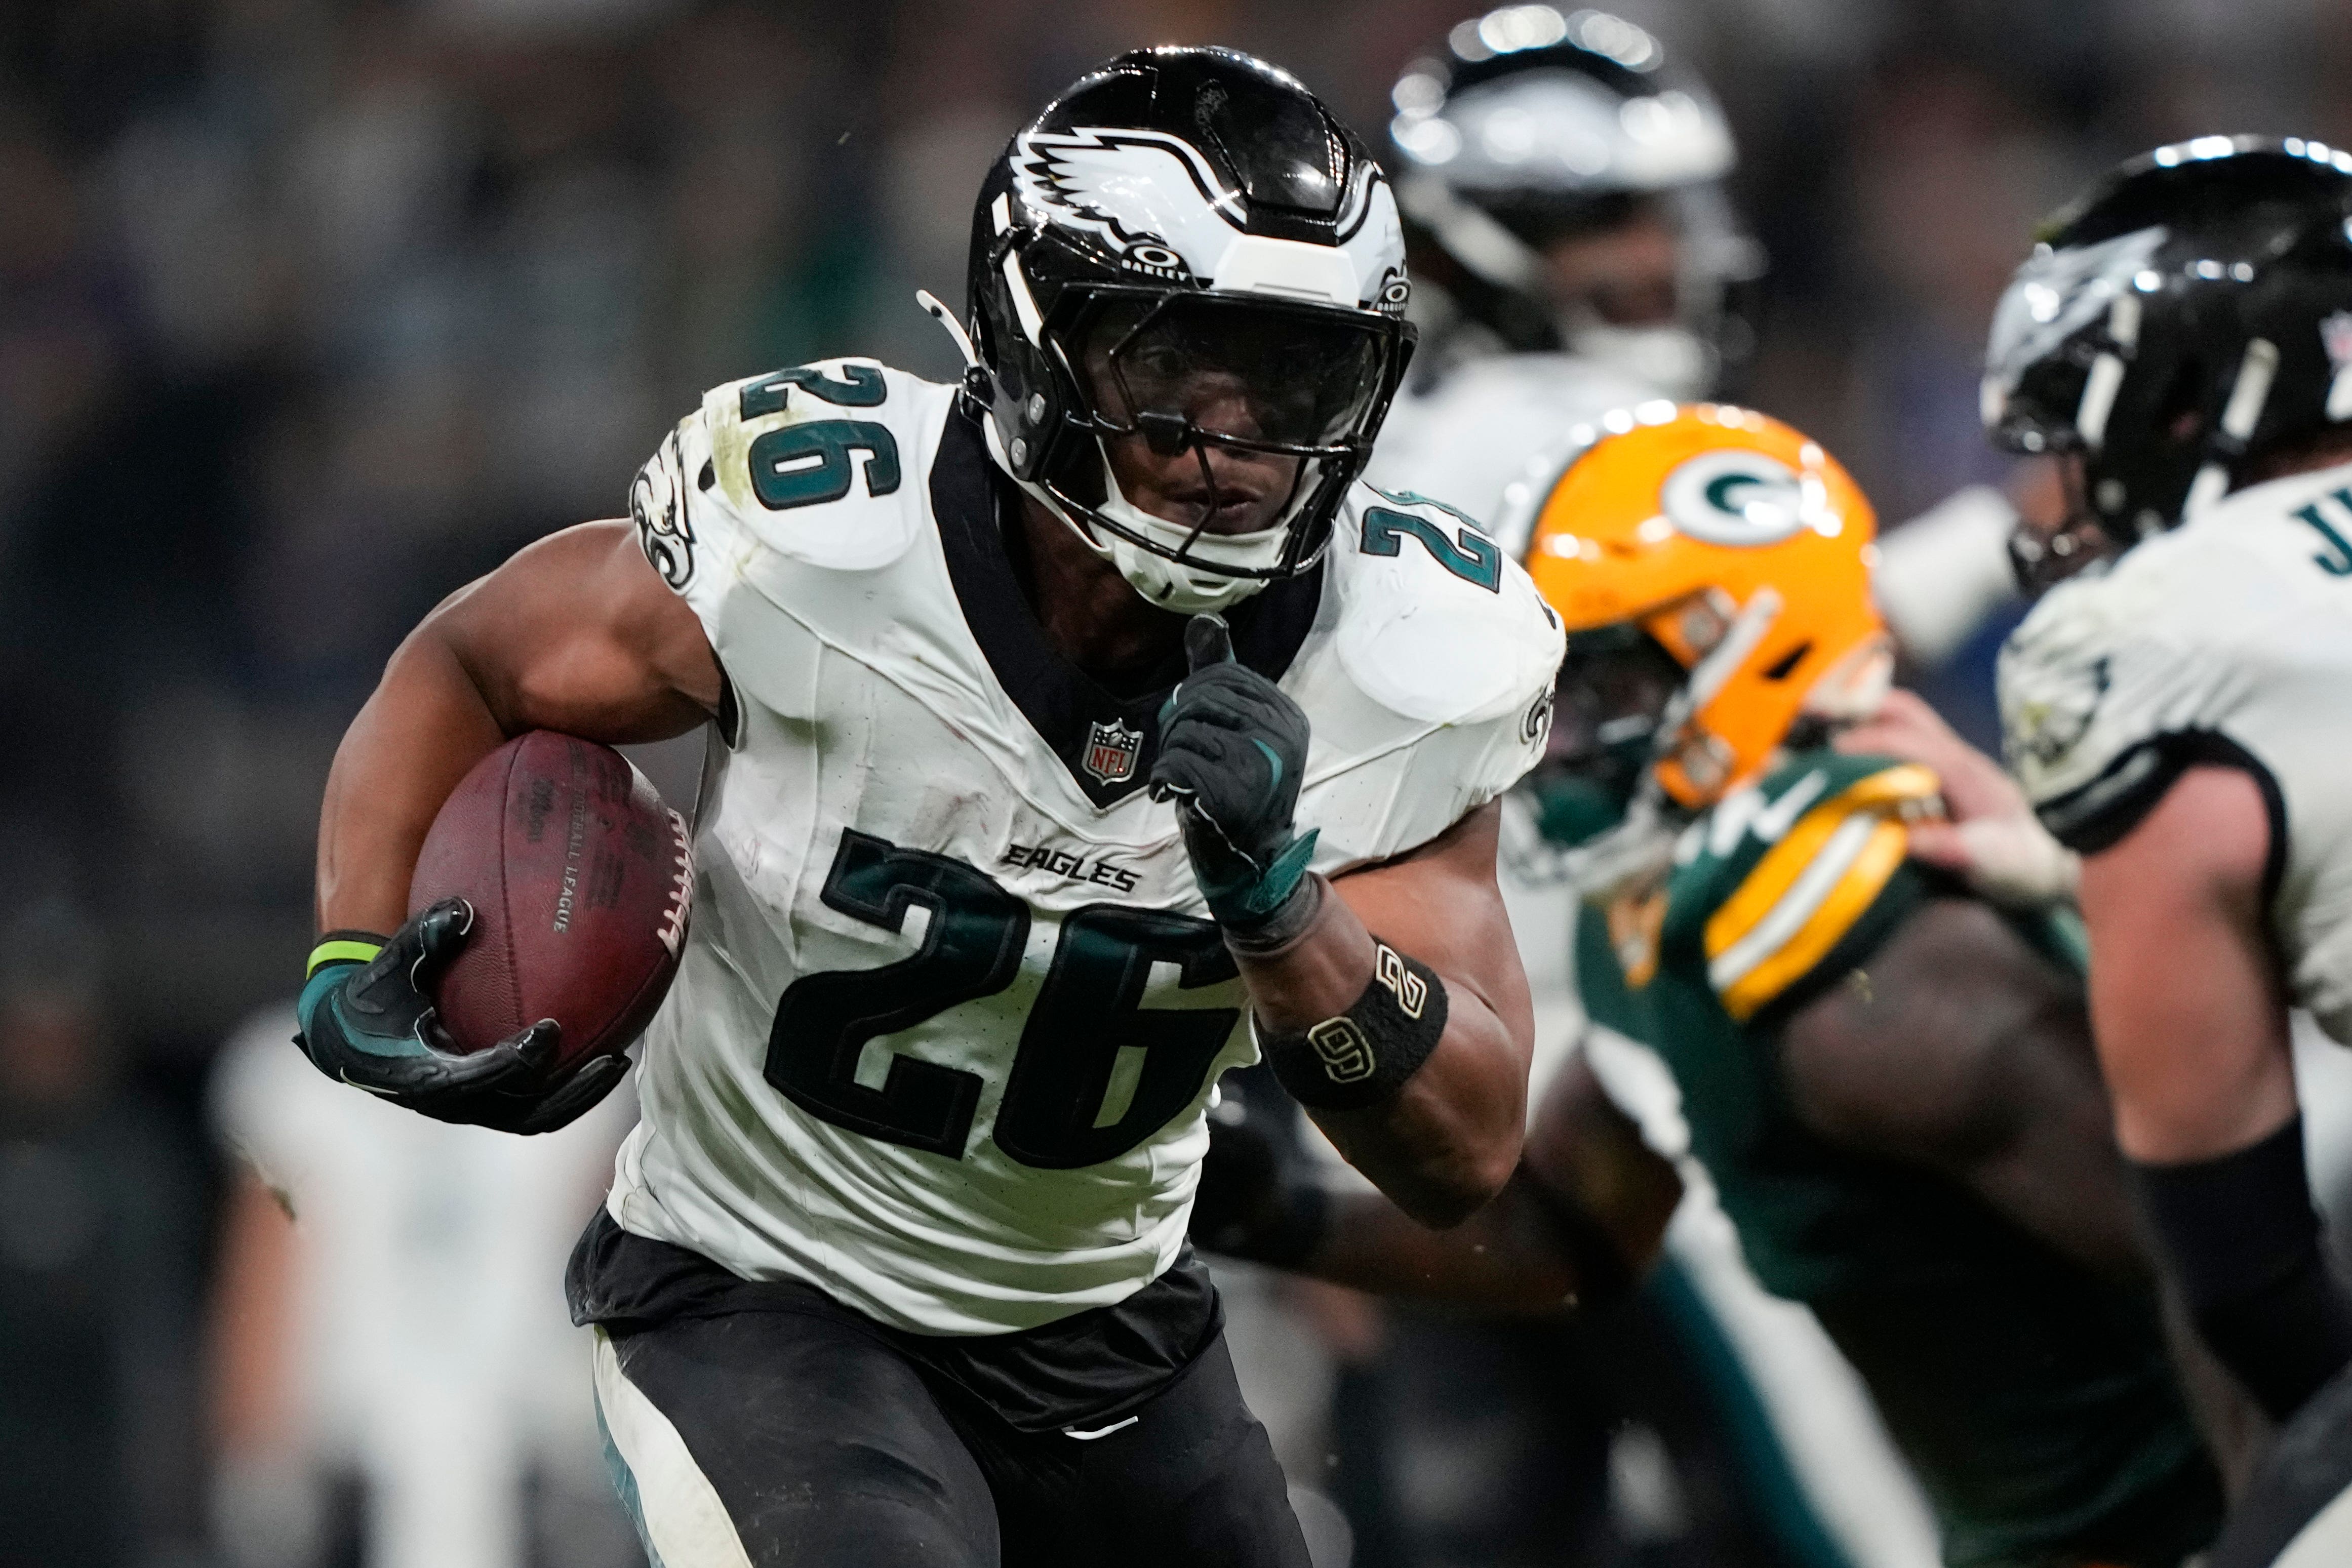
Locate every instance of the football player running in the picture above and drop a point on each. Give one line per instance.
(1887, 1075)
(2179, 711)
(1004, 833)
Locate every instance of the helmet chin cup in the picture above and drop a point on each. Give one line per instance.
(1164, 583)
(1194, 576)
(1171, 584)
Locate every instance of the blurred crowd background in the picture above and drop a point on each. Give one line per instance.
(311, 312)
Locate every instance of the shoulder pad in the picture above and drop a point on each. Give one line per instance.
(1771, 879)
(823, 463)
(1436, 623)
(2055, 670)
(2111, 672)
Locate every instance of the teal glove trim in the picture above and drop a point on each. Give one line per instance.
(1253, 900)
(324, 990)
(1272, 761)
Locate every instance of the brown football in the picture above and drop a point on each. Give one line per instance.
(579, 879)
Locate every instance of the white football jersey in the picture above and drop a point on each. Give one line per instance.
(1488, 425)
(2228, 640)
(951, 1010)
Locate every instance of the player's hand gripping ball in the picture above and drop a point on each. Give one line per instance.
(373, 1024)
(1233, 749)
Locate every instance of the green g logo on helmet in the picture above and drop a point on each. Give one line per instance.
(1739, 499)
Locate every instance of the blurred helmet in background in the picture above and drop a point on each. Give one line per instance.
(1559, 181)
(1712, 567)
(1182, 218)
(2190, 314)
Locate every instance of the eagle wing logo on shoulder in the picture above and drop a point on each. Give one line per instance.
(657, 507)
(2049, 717)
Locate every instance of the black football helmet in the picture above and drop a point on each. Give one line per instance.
(2190, 314)
(1532, 125)
(1176, 211)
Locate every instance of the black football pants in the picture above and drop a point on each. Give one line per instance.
(792, 1440)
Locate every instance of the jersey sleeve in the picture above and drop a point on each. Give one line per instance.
(1438, 698)
(773, 486)
(2116, 684)
(1814, 883)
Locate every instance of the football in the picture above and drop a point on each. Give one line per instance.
(580, 878)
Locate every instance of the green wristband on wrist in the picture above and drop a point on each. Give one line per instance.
(342, 947)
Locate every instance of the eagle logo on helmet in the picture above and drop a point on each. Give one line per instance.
(1144, 195)
(1150, 199)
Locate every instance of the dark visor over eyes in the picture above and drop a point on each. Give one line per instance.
(1613, 686)
(1253, 373)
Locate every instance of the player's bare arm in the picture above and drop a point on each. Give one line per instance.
(1451, 1136)
(576, 633)
(2190, 1012)
(1410, 1048)
(1579, 1221)
(1960, 1047)
(2191, 1018)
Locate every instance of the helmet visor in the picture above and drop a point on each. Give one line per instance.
(1244, 373)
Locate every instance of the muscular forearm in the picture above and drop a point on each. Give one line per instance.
(424, 729)
(574, 633)
(1446, 1140)
(1506, 1257)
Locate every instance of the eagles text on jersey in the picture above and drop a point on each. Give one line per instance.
(2226, 641)
(951, 1010)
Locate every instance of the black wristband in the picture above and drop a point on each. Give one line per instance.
(1363, 1056)
(2243, 1242)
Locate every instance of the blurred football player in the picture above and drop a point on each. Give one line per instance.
(1574, 254)
(1886, 1074)
(2179, 708)
(1572, 249)
(1004, 833)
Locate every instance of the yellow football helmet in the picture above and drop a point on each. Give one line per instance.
(1744, 550)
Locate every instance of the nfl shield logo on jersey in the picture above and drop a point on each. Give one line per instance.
(1111, 751)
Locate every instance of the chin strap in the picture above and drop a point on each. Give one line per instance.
(978, 384)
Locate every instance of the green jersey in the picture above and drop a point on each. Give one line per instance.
(2034, 1400)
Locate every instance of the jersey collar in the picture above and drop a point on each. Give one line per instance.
(1107, 742)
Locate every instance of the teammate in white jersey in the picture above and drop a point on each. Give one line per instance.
(997, 850)
(2179, 711)
(1572, 248)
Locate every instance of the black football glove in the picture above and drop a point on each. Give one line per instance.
(371, 1022)
(1232, 746)
(1258, 1198)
